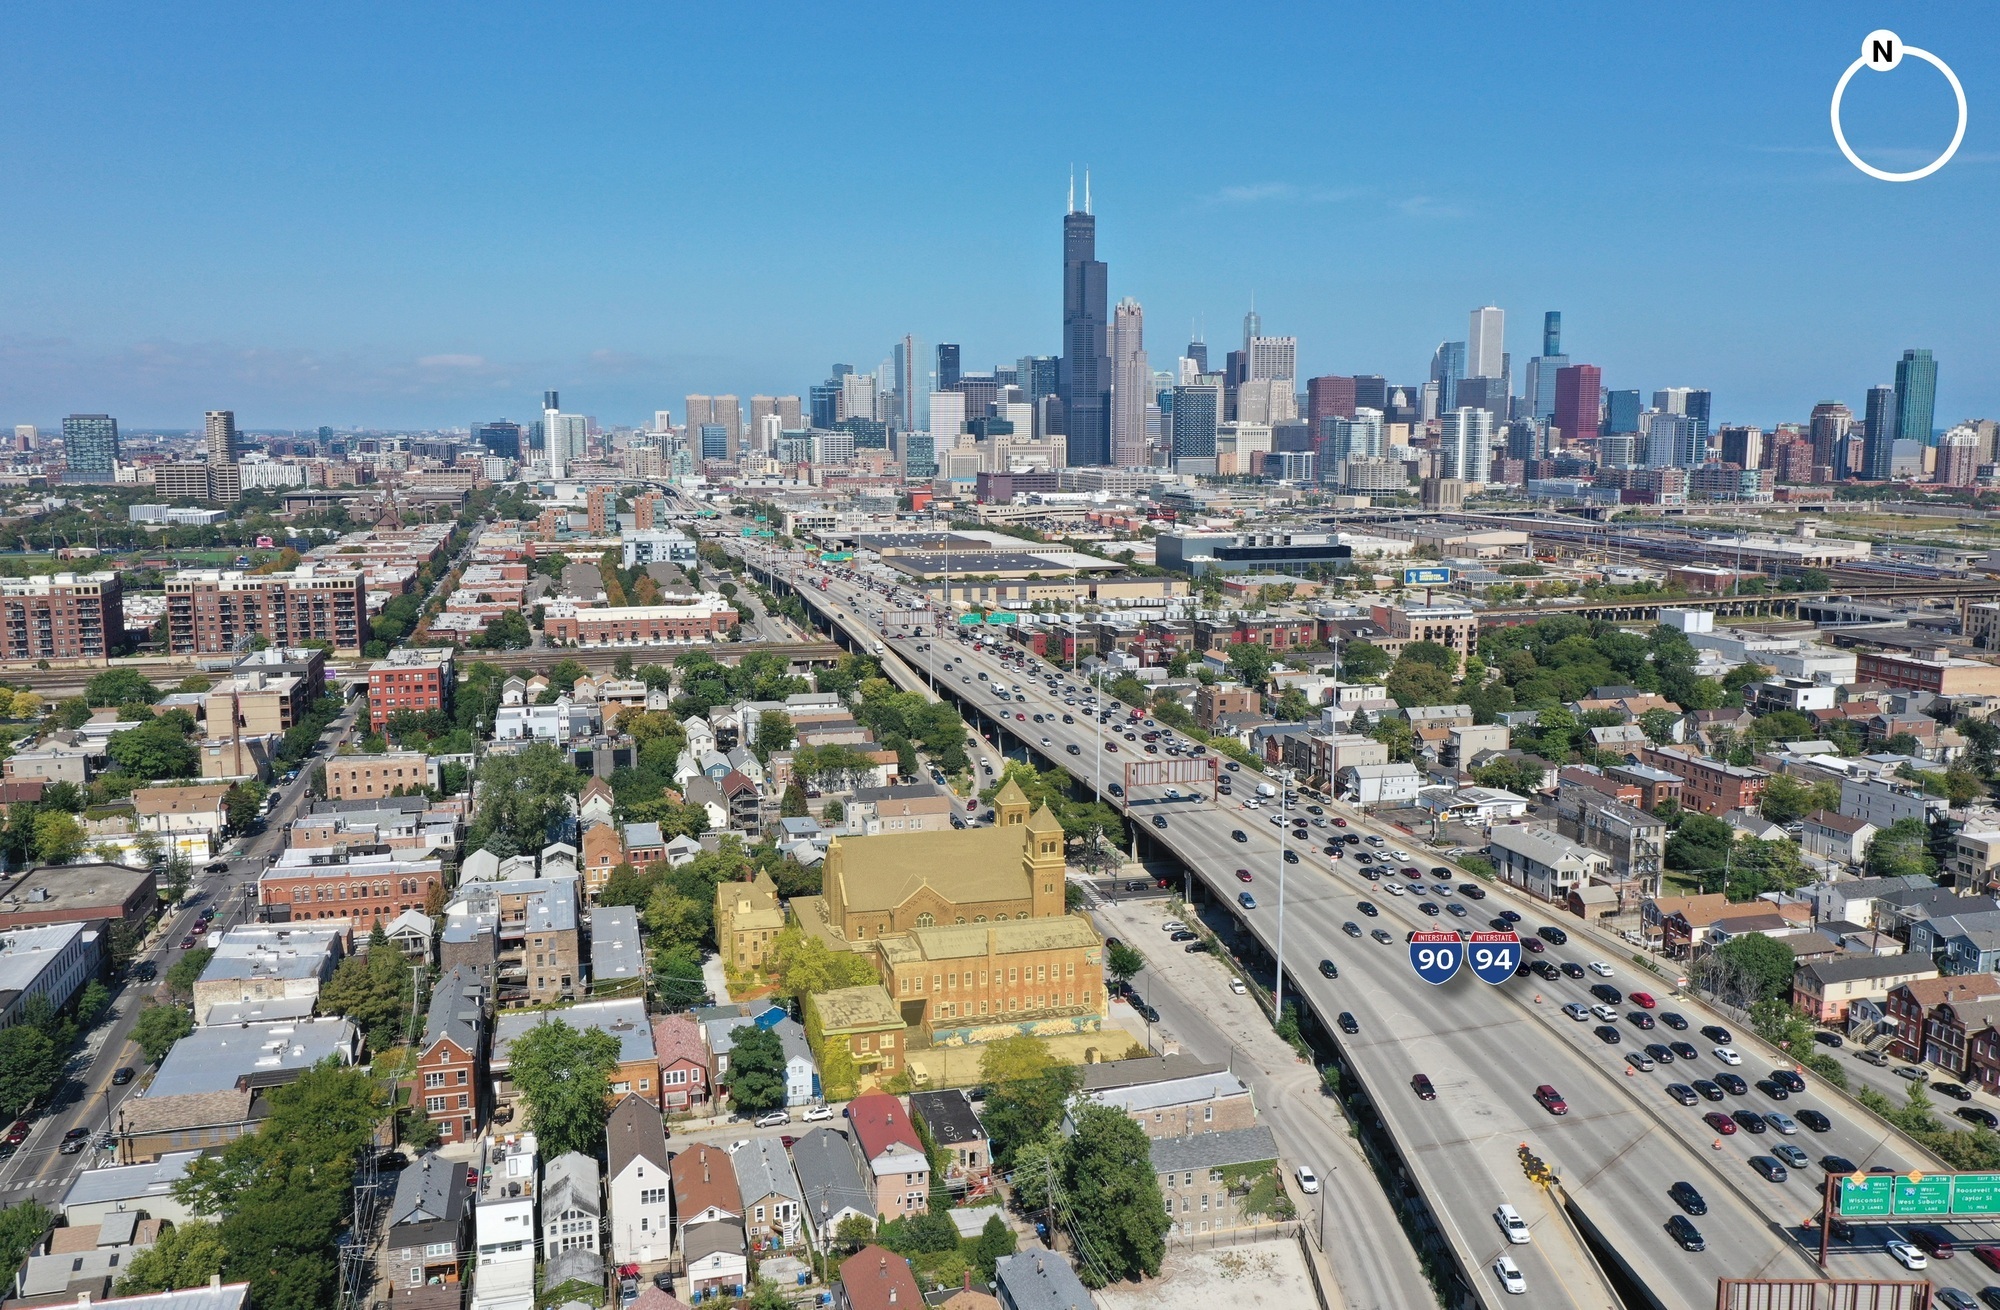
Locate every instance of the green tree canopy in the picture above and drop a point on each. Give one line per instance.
(185, 1256)
(1026, 1090)
(1765, 961)
(30, 1064)
(522, 796)
(564, 1075)
(158, 748)
(756, 1080)
(120, 687)
(1111, 1196)
(158, 1027)
(1700, 843)
(1900, 849)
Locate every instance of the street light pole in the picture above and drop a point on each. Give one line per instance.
(1284, 823)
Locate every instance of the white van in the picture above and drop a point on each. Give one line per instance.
(1512, 1224)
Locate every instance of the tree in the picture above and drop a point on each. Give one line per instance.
(1786, 800)
(793, 804)
(185, 1256)
(854, 1232)
(1659, 725)
(1700, 844)
(72, 713)
(22, 1228)
(523, 796)
(1766, 960)
(120, 687)
(1025, 1093)
(1415, 682)
(373, 991)
(243, 803)
(30, 1065)
(1122, 962)
(158, 1027)
(564, 1075)
(756, 1081)
(156, 749)
(181, 975)
(1900, 849)
(1111, 1197)
(1396, 734)
(995, 1242)
(90, 1007)
(1251, 662)
(59, 838)
(806, 966)
(1363, 661)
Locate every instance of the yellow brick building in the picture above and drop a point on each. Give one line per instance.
(747, 920)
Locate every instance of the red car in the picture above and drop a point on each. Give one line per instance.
(1243, 875)
(1340, 823)
(1720, 1122)
(971, 805)
(1551, 1100)
(1643, 1000)
(17, 1133)
(1532, 944)
(1988, 1256)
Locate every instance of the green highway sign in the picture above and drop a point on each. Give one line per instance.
(1976, 1194)
(1929, 1195)
(1867, 1199)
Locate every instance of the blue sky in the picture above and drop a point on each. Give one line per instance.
(425, 214)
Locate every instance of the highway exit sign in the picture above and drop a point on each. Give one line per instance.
(1867, 1199)
(1929, 1195)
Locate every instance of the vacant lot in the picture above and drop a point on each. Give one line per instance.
(1263, 1275)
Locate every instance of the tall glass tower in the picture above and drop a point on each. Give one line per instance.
(1085, 372)
(1878, 448)
(1916, 396)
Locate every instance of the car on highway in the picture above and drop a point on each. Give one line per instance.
(1511, 1279)
(1580, 1013)
(1243, 875)
(1641, 1061)
(1706, 1090)
(1430, 908)
(1246, 900)
(1159, 820)
(1687, 1198)
(1600, 968)
(1733, 1084)
(1605, 1013)
(1951, 1298)
(1905, 1254)
(1552, 935)
(1791, 1082)
(1421, 1085)
(1471, 891)
(1728, 1055)
(1837, 1164)
(1551, 1100)
(1682, 1230)
(1673, 1021)
(1571, 969)
(1532, 945)
(1239, 835)
(1512, 1225)
(1640, 1019)
(1934, 1242)
(1351, 928)
(1607, 1034)
(1644, 1001)
(1328, 969)
(1716, 1033)
(1382, 936)
(1791, 1155)
(1454, 908)
(1772, 1088)
(1348, 1024)
(1683, 1051)
(1770, 1168)
(1608, 994)
(1291, 857)
(1683, 1093)
(1814, 1120)
(1181, 936)
(1720, 1122)
(1784, 1123)
(1367, 908)
(1750, 1121)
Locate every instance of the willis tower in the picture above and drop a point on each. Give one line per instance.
(1085, 373)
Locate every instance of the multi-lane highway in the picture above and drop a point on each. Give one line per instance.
(1623, 1142)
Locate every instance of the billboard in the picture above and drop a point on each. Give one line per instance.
(1434, 576)
(1917, 1195)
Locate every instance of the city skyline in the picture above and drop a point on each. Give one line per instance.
(325, 261)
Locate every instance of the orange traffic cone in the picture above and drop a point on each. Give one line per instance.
(1717, 1144)
(1628, 1071)
(1538, 998)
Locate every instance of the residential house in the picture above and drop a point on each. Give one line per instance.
(875, 1278)
(450, 1072)
(503, 1223)
(1207, 1178)
(906, 807)
(617, 955)
(430, 1230)
(955, 1128)
(141, 1188)
(1836, 836)
(1975, 860)
(1634, 841)
(192, 817)
(1708, 786)
(773, 1206)
(1656, 786)
(1881, 801)
(890, 1155)
(1179, 1106)
(831, 1183)
(1825, 989)
(644, 844)
(1928, 1020)
(625, 1019)
(212, 1087)
(715, 1260)
(1542, 863)
(1679, 924)
(640, 1213)
(1036, 1278)
(603, 852)
(572, 1205)
(80, 1265)
(684, 1059)
(708, 1218)
(595, 804)
(1852, 900)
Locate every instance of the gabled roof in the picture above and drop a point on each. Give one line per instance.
(824, 1160)
(703, 1177)
(1214, 1150)
(1958, 989)
(570, 1182)
(763, 1169)
(1856, 968)
(635, 1131)
(431, 1190)
(876, 1278)
(1036, 1278)
(880, 1122)
(457, 1011)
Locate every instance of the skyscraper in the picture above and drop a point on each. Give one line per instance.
(1742, 446)
(947, 365)
(1552, 332)
(1085, 367)
(1447, 367)
(913, 385)
(1916, 396)
(1359, 437)
(1467, 441)
(1486, 343)
(1329, 397)
(1577, 395)
(1957, 458)
(1037, 375)
(1697, 405)
(499, 438)
(1198, 352)
(1371, 391)
(1621, 411)
(1131, 385)
(90, 448)
(1672, 441)
(1879, 433)
(223, 445)
(551, 444)
(947, 419)
(1831, 422)
(1197, 414)
(1542, 369)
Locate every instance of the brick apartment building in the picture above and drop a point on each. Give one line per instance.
(410, 679)
(704, 620)
(451, 1060)
(1930, 1017)
(65, 616)
(1212, 702)
(211, 611)
(366, 777)
(1708, 786)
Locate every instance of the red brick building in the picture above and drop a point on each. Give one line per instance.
(318, 884)
(1930, 1016)
(704, 620)
(209, 611)
(410, 679)
(66, 616)
(451, 1059)
(1708, 786)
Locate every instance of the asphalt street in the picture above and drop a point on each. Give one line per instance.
(1623, 1141)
